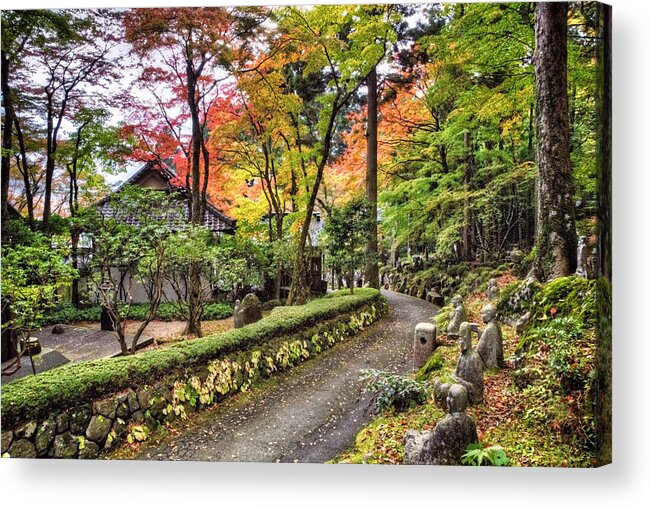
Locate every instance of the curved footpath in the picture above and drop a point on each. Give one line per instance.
(309, 414)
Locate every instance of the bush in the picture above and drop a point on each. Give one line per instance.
(74, 384)
(570, 296)
(478, 455)
(67, 313)
(393, 391)
(566, 360)
(217, 311)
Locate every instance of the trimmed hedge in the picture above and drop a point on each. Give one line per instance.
(166, 311)
(36, 396)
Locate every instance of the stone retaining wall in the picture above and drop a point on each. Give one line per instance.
(88, 430)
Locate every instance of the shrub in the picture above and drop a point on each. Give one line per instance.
(478, 455)
(567, 362)
(393, 391)
(67, 313)
(73, 384)
(567, 296)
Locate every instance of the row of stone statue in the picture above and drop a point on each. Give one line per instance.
(446, 443)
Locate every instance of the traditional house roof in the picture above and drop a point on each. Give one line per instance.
(161, 178)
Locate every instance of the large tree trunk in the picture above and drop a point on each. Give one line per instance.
(372, 271)
(29, 195)
(196, 217)
(7, 143)
(603, 356)
(466, 236)
(556, 234)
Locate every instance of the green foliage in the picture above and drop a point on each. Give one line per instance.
(568, 363)
(478, 455)
(346, 234)
(570, 296)
(32, 276)
(67, 313)
(73, 384)
(393, 391)
(442, 318)
(434, 363)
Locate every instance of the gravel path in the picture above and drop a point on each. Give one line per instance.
(308, 415)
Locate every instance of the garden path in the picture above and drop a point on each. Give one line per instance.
(309, 414)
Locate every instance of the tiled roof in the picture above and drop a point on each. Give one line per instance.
(214, 220)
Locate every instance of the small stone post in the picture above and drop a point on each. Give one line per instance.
(424, 342)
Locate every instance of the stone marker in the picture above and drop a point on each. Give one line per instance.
(490, 346)
(470, 368)
(448, 441)
(492, 292)
(521, 323)
(424, 342)
(457, 316)
(248, 311)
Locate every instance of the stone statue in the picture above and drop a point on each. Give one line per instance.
(457, 316)
(248, 311)
(492, 292)
(470, 367)
(490, 346)
(582, 258)
(522, 323)
(441, 393)
(448, 441)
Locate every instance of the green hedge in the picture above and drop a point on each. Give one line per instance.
(36, 396)
(67, 313)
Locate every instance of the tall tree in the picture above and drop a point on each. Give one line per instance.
(342, 45)
(372, 271)
(22, 31)
(556, 232)
(198, 46)
(70, 68)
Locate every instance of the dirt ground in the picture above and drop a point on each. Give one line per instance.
(165, 332)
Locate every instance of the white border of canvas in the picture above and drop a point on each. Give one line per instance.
(627, 481)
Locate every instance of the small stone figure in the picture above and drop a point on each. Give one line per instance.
(248, 311)
(490, 346)
(470, 367)
(441, 393)
(582, 258)
(457, 316)
(522, 323)
(448, 441)
(492, 292)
